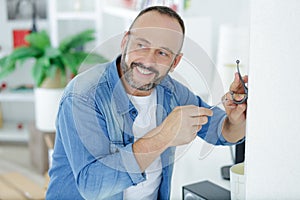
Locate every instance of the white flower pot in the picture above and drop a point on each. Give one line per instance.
(46, 108)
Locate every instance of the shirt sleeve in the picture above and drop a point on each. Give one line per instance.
(98, 165)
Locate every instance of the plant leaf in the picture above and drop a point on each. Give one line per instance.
(68, 57)
(75, 59)
(52, 71)
(77, 40)
(38, 72)
(8, 63)
(51, 52)
(39, 40)
(93, 58)
(71, 61)
(7, 66)
(25, 52)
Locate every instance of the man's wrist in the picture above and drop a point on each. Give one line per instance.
(233, 132)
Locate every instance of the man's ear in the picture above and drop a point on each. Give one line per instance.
(124, 40)
(176, 61)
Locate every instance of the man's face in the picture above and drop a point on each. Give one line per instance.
(149, 53)
(140, 76)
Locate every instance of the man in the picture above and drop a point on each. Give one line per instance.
(119, 123)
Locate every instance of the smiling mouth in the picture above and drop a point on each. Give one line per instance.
(144, 71)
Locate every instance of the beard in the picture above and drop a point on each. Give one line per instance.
(128, 75)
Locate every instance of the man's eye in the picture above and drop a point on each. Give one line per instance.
(141, 46)
(164, 53)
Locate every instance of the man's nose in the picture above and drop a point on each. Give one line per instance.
(150, 56)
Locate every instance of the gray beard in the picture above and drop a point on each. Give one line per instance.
(128, 75)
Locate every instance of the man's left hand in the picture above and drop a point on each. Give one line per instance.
(236, 112)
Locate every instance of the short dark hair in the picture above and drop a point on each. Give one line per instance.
(162, 10)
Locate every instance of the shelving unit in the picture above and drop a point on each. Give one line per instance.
(77, 17)
(8, 25)
(17, 105)
(11, 133)
(120, 12)
(116, 9)
(14, 130)
(89, 14)
(9, 96)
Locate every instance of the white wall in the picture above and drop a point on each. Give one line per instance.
(233, 12)
(272, 148)
(189, 168)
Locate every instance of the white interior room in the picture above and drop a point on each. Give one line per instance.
(263, 35)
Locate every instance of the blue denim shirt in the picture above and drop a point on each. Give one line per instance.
(93, 157)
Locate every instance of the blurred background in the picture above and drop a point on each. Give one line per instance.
(219, 28)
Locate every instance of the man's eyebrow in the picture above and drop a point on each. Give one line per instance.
(148, 42)
(143, 40)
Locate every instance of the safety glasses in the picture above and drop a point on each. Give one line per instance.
(236, 97)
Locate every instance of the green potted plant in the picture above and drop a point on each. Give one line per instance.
(50, 61)
(51, 69)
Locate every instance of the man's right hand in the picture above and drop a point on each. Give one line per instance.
(183, 123)
(180, 127)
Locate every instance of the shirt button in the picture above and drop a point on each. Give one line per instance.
(131, 140)
(134, 113)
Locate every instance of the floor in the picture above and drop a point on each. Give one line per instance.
(16, 158)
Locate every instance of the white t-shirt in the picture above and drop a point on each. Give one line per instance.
(144, 122)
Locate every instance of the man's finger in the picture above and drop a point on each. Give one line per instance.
(236, 83)
(200, 111)
(238, 111)
(245, 78)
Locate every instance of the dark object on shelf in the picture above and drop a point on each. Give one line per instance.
(240, 153)
(3, 85)
(33, 28)
(20, 126)
(204, 190)
(24, 87)
(225, 172)
(239, 157)
(19, 37)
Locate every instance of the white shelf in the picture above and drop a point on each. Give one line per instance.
(11, 133)
(9, 96)
(120, 12)
(59, 11)
(76, 16)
